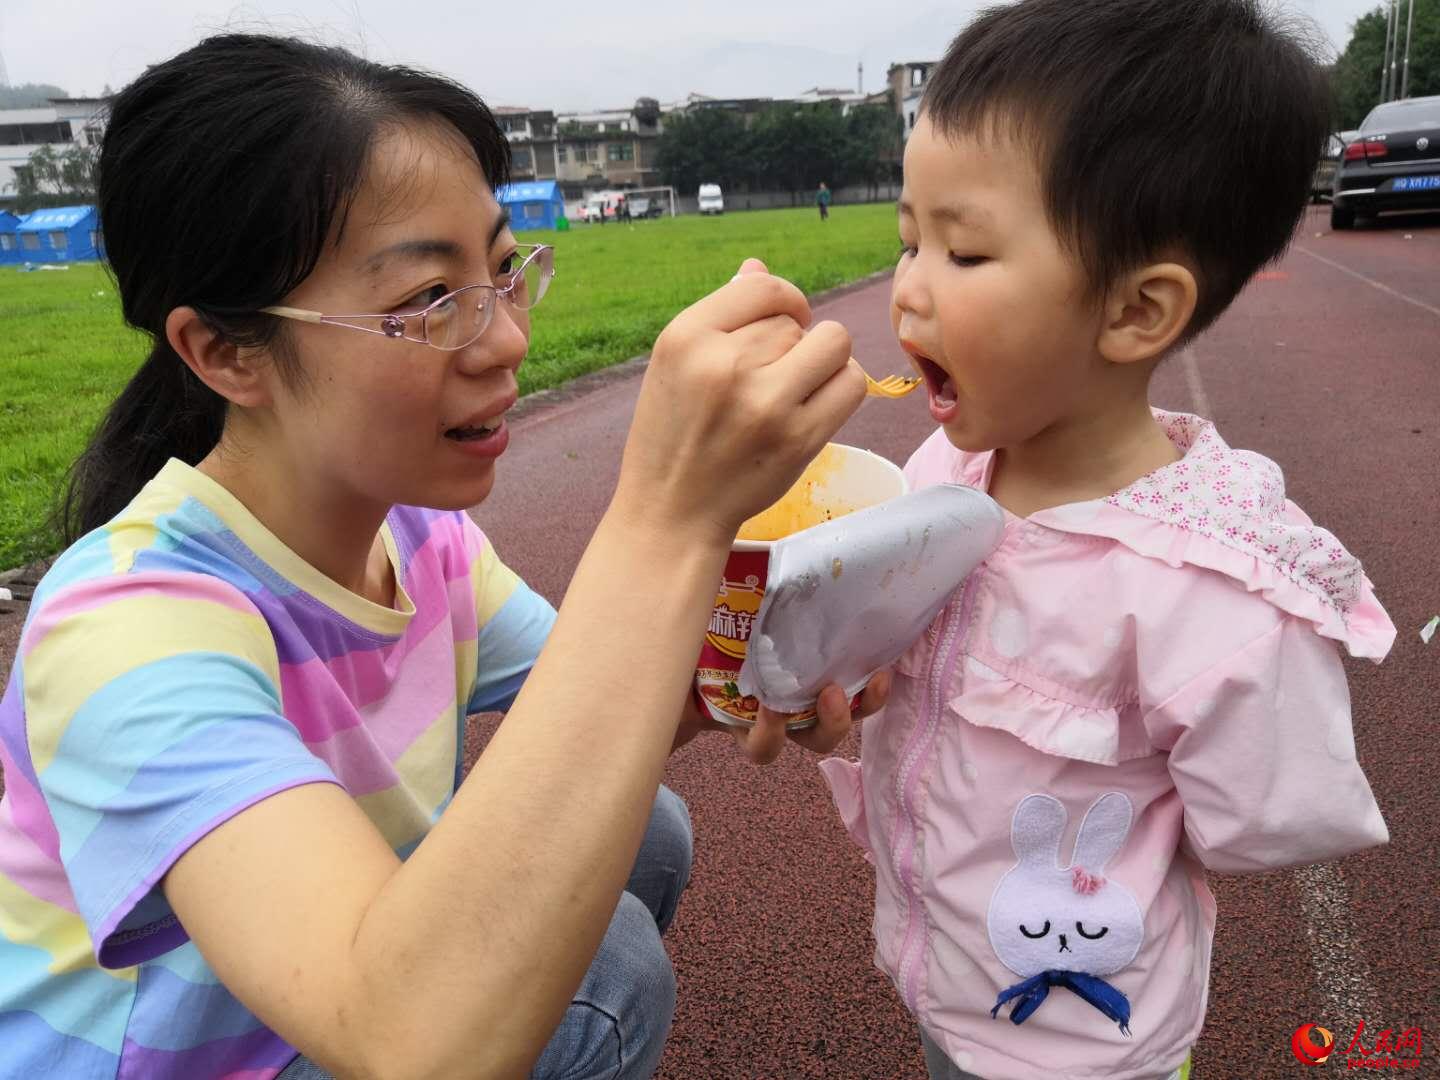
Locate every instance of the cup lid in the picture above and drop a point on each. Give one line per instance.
(844, 599)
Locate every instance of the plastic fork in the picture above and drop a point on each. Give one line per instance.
(892, 386)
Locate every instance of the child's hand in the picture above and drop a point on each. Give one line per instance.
(763, 742)
(740, 394)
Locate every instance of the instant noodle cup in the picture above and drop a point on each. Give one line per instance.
(841, 480)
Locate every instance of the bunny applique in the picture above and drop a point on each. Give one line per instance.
(1065, 926)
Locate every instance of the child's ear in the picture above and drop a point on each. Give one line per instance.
(1147, 312)
(216, 361)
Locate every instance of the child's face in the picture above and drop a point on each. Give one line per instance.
(371, 420)
(985, 300)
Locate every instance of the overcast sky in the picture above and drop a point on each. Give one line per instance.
(567, 55)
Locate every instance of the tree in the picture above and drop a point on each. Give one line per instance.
(872, 142)
(705, 146)
(53, 179)
(797, 146)
(1356, 78)
(788, 146)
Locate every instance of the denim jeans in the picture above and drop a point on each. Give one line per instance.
(616, 1025)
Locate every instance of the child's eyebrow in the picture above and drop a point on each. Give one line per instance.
(962, 214)
(958, 213)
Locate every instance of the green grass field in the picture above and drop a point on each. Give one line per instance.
(66, 353)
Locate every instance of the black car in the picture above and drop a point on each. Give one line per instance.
(1323, 182)
(1393, 164)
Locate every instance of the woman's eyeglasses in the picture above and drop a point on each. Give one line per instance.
(458, 318)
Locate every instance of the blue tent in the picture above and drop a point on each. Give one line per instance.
(60, 234)
(536, 204)
(9, 242)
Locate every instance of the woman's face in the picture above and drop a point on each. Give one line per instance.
(387, 420)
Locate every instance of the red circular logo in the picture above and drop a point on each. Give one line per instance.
(1312, 1044)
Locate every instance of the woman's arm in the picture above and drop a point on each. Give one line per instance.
(461, 961)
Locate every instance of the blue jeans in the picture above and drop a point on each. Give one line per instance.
(616, 1025)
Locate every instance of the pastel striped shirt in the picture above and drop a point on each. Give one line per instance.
(177, 666)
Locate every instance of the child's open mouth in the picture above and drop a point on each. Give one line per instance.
(943, 393)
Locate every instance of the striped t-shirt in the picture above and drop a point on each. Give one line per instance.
(177, 666)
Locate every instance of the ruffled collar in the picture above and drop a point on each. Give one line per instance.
(1226, 497)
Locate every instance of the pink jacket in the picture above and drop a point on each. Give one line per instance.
(1128, 691)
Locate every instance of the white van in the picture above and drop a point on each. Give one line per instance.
(711, 200)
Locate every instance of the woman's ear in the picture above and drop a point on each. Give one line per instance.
(1147, 312)
(216, 361)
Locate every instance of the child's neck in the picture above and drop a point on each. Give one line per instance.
(1079, 459)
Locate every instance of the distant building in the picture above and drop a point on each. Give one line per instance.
(907, 85)
(608, 149)
(531, 133)
(62, 122)
(746, 108)
(846, 99)
(615, 150)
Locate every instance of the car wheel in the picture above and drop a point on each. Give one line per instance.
(1341, 217)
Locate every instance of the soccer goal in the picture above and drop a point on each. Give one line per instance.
(651, 201)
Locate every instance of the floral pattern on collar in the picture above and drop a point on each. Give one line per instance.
(1237, 498)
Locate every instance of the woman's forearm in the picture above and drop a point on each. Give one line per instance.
(484, 934)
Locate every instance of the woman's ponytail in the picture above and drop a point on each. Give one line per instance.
(163, 412)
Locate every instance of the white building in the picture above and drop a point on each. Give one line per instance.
(60, 123)
(848, 99)
(907, 83)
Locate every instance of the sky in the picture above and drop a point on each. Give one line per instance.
(571, 56)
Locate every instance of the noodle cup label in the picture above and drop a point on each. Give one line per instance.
(727, 639)
(840, 480)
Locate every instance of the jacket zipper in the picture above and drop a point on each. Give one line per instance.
(941, 666)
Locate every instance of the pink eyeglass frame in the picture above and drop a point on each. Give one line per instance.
(394, 326)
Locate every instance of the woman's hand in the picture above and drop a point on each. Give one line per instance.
(763, 742)
(739, 396)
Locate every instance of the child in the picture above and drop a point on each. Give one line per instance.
(1142, 682)
(234, 827)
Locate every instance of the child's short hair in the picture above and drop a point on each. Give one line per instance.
(1157, 125)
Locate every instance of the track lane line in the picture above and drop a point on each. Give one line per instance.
(1341, 976)
(1370, 281)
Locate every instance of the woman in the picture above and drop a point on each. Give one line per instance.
(234, 831)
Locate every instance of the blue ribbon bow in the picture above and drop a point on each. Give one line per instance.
(1033, 991)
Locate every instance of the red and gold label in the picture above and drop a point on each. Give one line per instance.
(727, 639)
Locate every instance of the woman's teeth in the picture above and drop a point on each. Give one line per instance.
(466, 433)
(478, 431)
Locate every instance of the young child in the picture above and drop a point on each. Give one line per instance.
(1142, 682)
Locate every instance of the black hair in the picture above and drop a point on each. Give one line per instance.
(1157, 124)
(223, 173)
